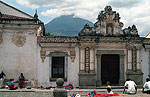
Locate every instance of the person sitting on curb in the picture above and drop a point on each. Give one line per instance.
(132, 87)
(2, 74)
(11, 85)
(21, 80)
(146, 86)
(109, 90)
(2, 78)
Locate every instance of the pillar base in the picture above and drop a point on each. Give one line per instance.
(87, 80)
(121, 82)
(98, 83)
(136, 76)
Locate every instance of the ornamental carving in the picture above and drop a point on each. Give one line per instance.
(72, 55)
(1, 37)
(42, 55)
(108, 24)
(19, 40)
(57, 39)
(87, 59)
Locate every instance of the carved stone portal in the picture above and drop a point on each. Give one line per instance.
(19, 40)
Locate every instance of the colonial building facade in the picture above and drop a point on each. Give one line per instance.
(104, 53)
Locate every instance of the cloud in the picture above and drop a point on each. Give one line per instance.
(138, 15)
(27, 4)
(131, 11)
(87, 9)
(124, 3)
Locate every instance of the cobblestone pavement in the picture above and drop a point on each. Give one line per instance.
(49, 92)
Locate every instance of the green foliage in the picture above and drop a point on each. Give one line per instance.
(48, 34)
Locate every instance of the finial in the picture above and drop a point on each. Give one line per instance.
(108, 8)
(36, 15)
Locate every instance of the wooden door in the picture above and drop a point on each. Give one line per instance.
(110, 68)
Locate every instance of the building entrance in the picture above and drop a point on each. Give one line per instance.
(110, 69)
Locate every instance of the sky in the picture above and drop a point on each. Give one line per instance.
(135, 12)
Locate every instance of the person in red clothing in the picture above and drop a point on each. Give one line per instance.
(21, 80)
(11, 85)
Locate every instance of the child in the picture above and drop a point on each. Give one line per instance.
(109, 89)
(21, 80)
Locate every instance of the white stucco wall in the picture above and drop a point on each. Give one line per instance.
(13, 59)
(44, 70)
(73, 70)
(145, 63)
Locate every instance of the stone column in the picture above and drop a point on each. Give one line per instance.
(129, 59)
(99, 82)
(138, 59)
(134, 59)
(121, 80)
(82, 60)
(92, 65)
(134, 73)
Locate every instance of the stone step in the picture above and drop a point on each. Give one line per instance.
(113, 87)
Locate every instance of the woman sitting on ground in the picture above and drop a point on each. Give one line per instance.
(21, 80)
(11, 85)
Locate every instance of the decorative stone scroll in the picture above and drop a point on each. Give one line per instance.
(1, 37)
(19, 40)
(72, 55)
(108, 24)
(43, 55)
(131, 31)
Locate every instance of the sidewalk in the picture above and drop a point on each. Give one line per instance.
(49, 92)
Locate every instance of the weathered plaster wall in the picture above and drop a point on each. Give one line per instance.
(18, 51)
(43, 70)
(145, 63)
(73, 70)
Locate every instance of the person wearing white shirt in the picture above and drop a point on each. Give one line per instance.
(132, 87)
(146, 86)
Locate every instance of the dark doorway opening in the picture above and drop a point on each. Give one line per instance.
(58, 67)
(110, 69)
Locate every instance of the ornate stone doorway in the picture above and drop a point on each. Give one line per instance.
(110, 68)
(111, 55)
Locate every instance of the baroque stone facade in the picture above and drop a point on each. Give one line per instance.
(104, 53)
(95, 44)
